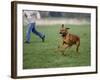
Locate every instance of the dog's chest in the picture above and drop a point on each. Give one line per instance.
(66, 39)
(69, 39)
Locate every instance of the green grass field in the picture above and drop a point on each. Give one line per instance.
(45, 55)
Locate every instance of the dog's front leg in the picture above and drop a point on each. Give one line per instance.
(63, 48)
(60, 44)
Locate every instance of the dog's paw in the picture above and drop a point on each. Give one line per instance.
(58, 46)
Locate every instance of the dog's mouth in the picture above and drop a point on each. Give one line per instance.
(64, 34)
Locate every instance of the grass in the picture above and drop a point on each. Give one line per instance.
(45, 55)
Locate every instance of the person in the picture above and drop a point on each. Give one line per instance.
(30, 17)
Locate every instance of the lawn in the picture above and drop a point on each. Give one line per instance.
(40, 54)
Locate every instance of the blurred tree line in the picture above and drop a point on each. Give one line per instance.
(45, 14)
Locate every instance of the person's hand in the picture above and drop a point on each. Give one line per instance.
(25, 15)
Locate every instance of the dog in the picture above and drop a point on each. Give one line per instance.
(68, 39)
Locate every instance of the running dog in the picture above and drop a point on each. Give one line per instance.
(68, 39)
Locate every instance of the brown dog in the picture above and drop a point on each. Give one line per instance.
(68, 39)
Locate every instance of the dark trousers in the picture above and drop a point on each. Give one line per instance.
(31, 28)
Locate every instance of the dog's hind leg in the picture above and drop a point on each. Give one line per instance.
(77, 46)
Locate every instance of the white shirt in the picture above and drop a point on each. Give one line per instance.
(31, 16)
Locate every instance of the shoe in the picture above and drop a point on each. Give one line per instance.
(27, 42)
(43, 38)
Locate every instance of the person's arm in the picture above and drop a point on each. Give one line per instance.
(25, 15)
(38, 16)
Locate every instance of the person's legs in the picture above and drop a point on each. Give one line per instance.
(28, 32)
(41, 35)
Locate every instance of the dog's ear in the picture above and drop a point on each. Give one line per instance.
(67, 28)
(62, 25)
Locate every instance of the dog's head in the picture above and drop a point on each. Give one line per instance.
(63, 30)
